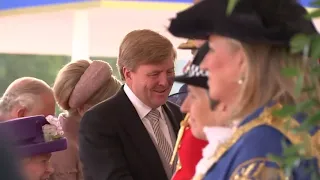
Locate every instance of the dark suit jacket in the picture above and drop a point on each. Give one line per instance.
(114, 144)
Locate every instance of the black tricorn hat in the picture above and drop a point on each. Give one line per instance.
(194, 75)
(252, 21)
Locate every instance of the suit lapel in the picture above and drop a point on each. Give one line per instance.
(143, 143)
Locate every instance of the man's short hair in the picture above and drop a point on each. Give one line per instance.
(23, 91)
(143, 47)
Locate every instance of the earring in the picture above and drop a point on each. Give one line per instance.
(240, 81)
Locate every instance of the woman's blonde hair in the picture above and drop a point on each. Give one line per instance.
(84, 82)
(264, 81)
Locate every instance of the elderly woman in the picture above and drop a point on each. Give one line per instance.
(248, 50)
(35, 138)
(79, 85)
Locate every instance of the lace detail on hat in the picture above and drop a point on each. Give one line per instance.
(52, 131)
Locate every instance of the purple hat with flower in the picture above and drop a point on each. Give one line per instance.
(35, 135)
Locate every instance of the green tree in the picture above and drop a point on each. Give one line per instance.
(45, 67)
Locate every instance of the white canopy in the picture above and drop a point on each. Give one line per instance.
(64, 32)
(52, 32)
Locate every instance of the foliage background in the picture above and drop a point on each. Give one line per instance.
(46, 67)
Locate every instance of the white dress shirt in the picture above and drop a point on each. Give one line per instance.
(143, 111)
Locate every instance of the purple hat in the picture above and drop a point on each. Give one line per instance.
(35, 135)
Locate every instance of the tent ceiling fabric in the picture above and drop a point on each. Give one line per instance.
(51, 33)
(22, 6)
(14, 7)
(33, 30)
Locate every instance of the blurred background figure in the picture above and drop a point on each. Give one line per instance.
(189, 45)
(79, 85)
(179, 97)
(192, 45)
(27, 96)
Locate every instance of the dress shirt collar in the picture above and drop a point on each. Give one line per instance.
(140, 107)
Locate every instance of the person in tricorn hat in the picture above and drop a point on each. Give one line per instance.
(248, 50)
(187, 157)
(35, 138)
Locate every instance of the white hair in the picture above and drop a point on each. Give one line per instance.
(27, 100)
(9, 101)
(26, 95)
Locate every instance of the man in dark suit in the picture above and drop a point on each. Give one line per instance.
(131, 135)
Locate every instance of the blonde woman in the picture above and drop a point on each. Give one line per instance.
(248, 50)
(79, 85)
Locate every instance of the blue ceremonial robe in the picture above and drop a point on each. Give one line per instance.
(246, 158)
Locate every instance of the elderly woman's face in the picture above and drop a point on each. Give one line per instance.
(224, 62)
(38, 167)
(198, 106)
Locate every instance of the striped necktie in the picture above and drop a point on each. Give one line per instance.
(163, 144)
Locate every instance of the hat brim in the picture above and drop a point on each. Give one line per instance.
(43, 148)
(187, 46)
(209, 17)
(194, 81)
